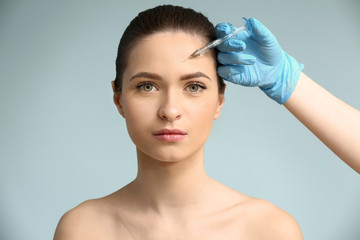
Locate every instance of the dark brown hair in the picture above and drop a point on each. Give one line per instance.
(159, 19)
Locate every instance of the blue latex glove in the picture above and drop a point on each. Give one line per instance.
(255, 58)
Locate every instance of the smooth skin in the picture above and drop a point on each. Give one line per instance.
(172, 197)
(334, 122)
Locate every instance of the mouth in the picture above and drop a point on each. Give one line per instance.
(170, 135)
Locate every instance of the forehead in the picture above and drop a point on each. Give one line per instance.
(166, 53)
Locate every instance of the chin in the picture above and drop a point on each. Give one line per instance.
(167, 155)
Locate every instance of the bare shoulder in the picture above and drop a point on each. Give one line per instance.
(271, 222)
(91, 220)
(255, 218)
(76, 223)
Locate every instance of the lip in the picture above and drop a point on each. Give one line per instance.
(170, 135)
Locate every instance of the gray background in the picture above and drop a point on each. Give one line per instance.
(62, 140)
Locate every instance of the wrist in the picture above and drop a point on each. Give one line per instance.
(285, 81)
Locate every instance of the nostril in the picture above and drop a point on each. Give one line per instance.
(169, 114)
(163, 116)
(170, 107)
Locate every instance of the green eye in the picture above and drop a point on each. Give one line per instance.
(147, 87)
(193, 87)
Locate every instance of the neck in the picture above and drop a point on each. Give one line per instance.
(171, 186)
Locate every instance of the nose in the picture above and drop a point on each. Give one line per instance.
(170, 107)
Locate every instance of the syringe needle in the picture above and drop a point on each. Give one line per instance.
(215, 43)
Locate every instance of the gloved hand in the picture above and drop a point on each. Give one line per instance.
(255, 58)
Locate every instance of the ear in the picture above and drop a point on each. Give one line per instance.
(221, 102)
(117, 100)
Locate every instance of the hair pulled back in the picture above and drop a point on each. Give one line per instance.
(159, 19)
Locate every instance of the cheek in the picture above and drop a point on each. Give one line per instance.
(136, 107)
(203, 112)
(135, 112)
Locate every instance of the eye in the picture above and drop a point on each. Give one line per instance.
(195, 87)
(146, 87)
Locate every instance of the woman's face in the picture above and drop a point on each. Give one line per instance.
(169, 102)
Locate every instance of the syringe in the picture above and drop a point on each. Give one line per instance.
(215, 43)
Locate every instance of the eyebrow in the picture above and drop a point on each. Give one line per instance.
(145, 75)
(195, 75)
(156, 76)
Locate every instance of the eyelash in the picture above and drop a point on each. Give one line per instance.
(141, 85)
(198, 84)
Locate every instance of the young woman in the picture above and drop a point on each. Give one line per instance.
(169, 103)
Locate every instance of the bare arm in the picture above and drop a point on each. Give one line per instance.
(334, 122)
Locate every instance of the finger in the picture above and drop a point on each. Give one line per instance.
(236, 74)
(232, 45)
(225, 71)
(235, 58)
(260, 33)
(222, 29)
(240, 79)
